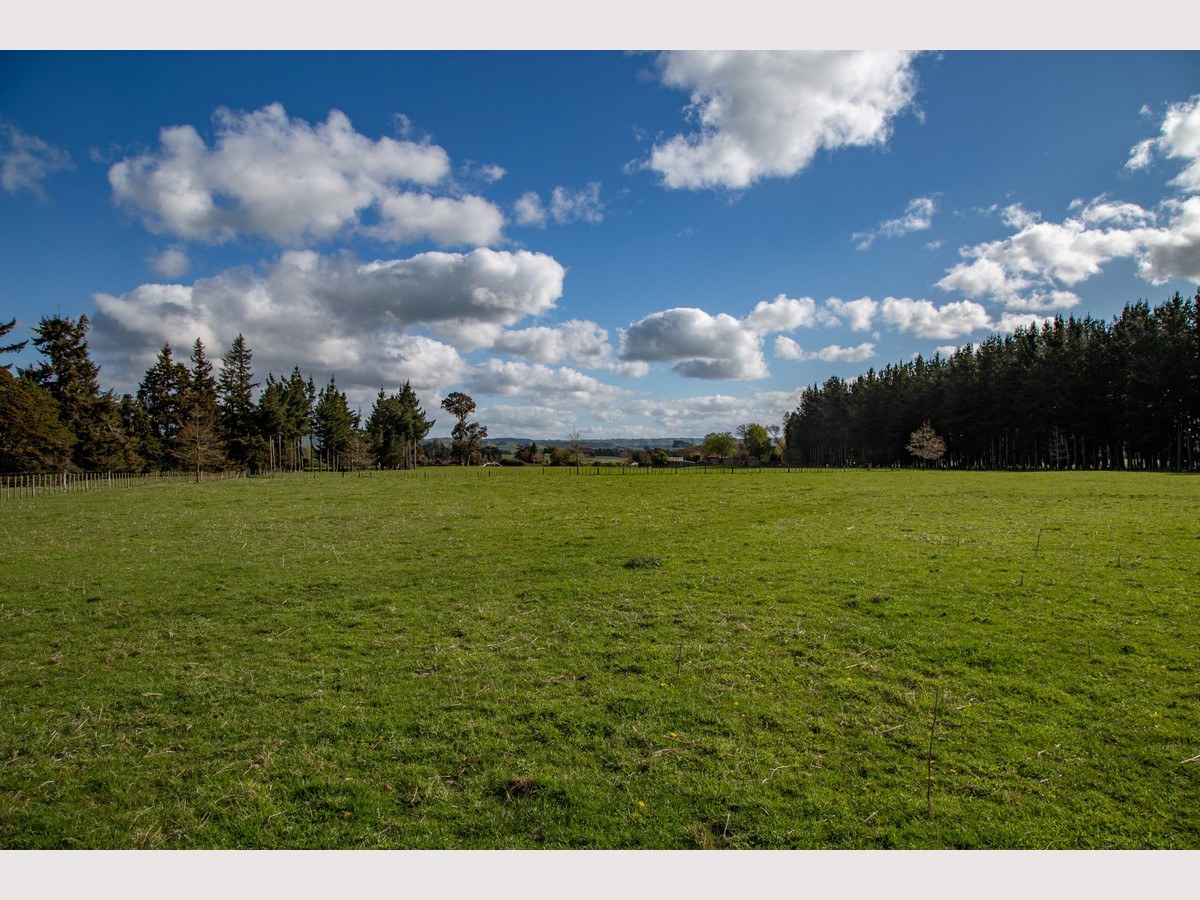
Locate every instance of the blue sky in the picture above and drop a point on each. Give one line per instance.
(627, 245)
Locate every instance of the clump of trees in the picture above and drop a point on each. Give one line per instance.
(1074, 393)
(184, 414)
(396, 427)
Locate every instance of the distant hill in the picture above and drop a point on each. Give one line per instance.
(607, 444)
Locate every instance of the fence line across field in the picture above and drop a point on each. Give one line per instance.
(20, 486)
(46, 484)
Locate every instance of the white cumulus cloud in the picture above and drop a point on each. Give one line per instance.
(584, 342)
(714, 347)
(859, 314)
(1179, 138)
(786, 348)
(700, 345)
(923, 319)
(278, 177)
(504, 420)
(543, 385)
(781, 314)
(767, 114)
(1032, 270)
(335, 313)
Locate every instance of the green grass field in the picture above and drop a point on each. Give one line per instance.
(514, 658)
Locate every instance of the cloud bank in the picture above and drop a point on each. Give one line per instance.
(336, 314)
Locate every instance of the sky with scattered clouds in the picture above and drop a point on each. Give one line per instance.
(623, 244)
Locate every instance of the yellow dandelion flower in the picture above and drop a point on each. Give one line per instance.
(641, 804)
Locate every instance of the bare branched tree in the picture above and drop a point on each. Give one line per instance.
(926, 444)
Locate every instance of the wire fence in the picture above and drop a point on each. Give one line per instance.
(28, 486)
(47, 484)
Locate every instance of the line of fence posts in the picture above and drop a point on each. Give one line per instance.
(44, 484)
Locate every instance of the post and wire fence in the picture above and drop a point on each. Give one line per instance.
(46, 484)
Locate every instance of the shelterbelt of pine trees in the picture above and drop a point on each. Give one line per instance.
(55, 418)
(1074, 393)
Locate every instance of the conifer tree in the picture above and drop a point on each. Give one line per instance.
(334, 424)
(5, 328)
(200, 443)
(285, 410)
(163, 394)
(414, 425)
(70, 377)
(396, 427)
(202, 386)
(239, 416)
(32, 437)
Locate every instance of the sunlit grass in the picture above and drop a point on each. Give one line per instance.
(512, 658)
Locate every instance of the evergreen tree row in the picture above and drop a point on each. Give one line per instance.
(1075, 393)
(55, 418)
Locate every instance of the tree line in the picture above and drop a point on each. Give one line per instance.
(1073, 393)
(186, 414)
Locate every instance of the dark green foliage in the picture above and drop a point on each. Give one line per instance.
(562, 456)
(721, 443)
(239, 416)
(201, 398)
(1072, 394)
(163, 395)
(468, 436)
(200, 443)
(32, 438)
(5, 328)
(70, 377)
(333, 423)
(199, 446)
(285, 416)
(396, 427)
(528, 455)
(755, 440)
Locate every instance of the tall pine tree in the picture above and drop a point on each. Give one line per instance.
(334, 425)
(239, 416)
(163, 394)
(70, 377)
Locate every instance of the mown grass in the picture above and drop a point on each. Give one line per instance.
(507, 658)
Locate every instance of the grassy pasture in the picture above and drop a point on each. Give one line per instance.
(511, 658)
